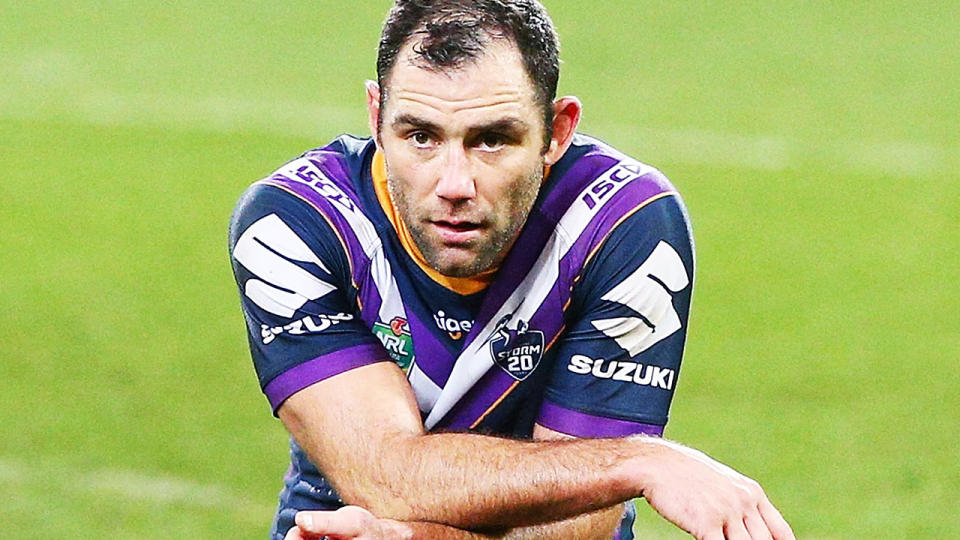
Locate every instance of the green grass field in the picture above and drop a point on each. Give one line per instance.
(816, 144)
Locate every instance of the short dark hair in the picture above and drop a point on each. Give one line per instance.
(454, 32)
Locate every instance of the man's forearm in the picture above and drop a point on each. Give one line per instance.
(475, 481)
(380, 458)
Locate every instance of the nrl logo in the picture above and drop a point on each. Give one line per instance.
(516, 350)
(396, 340)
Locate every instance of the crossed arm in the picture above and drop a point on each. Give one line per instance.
(357, 523)
(363, 430)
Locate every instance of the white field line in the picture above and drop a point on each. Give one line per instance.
(131, 485)
(95, 105)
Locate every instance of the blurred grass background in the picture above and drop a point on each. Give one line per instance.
(816, 144)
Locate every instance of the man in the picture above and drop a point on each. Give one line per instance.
(472, 323)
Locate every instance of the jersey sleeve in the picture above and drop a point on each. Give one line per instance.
(296, 293)
(617, 363)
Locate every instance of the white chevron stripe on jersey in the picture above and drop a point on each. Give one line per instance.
(305, 171)
(424, 388)
(281, 287)
(476, 359)
(647, 292)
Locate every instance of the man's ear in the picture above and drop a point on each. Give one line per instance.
(373, 109)
(566, 118)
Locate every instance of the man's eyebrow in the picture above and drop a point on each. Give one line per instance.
(409, 120)
(505, 125)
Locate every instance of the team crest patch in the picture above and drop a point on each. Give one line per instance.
(517, 350)
(396, 340)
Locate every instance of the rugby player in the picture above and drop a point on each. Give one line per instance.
(472, 322)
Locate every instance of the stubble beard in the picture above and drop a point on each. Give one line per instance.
(489, 251)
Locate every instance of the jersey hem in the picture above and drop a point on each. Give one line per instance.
(581, 424)
(323, 367)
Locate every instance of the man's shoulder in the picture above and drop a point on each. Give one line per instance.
(314, 194)
(326, 179)
(595, 182)
(343, 161)
(344, 155)
(590, 157)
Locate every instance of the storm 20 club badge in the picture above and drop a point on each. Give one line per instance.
(396, 340)
(516, 350)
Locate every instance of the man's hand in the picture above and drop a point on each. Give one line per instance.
(347, 523)
(710, 500)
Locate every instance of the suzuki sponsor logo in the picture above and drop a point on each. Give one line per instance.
(311, 324)
(455, 328)
(631, 372)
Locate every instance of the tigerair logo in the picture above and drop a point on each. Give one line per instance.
(454, 328)
(396, 340)
(631, 372)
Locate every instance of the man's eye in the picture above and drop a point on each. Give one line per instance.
(420, 139)
(491, 141)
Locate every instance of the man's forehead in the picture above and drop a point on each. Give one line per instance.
(497, 74)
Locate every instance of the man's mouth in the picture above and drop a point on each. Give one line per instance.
(458, 225)
(456, 231)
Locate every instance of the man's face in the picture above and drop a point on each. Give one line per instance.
(464, 158)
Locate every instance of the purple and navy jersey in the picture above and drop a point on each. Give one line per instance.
(581, 330)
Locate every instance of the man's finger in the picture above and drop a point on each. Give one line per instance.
(334, 523)
(735, 530)
(716, 534)
(294, 534)
(778, 526)
(756, 526)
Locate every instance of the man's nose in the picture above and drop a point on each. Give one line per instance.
(456, 181)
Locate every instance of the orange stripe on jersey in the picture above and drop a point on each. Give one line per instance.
(495, 404)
